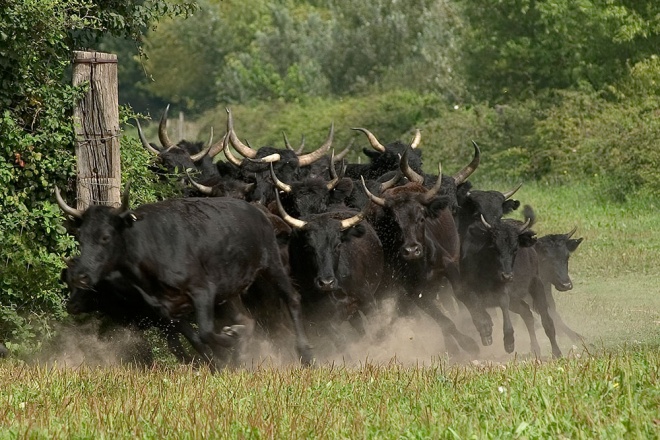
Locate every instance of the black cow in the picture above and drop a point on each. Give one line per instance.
(384, 158)
(499, 268)
(120, 303)
(3, 351)
(176, 158)
(492, 205)
(313, 195)
(256, 163)
(554, 251)
(337, 260)
(187, 255)
(421, 248)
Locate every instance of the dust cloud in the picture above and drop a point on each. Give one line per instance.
(413, 340)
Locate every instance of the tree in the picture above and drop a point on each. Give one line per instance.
(516, 48)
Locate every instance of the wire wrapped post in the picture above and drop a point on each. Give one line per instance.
(96, 120)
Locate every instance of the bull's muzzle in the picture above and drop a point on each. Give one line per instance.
(326, 283)
(507, 277)
(563, 286)
(411, 252)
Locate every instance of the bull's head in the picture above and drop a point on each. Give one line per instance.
(320, 239)
(177, 156)
(554, 250)
(406, 210)
(497, 244)
(100, 234)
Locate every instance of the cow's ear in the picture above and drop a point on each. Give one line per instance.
(527, 239)
(372, 154)
(573, 244)
(72, 224)
(462, 192)
(129, 217)
(356, 231)
(343, 189)
(436, 205)
(477, 230)
(509, 206)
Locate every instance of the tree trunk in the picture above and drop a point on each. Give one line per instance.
(96, 121)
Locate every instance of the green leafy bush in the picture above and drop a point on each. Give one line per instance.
(36, 143)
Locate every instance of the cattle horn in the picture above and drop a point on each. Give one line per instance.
(286, 142)
(525, 225)
(307, 159)
(236, 143)
(144, 141)
(343, 153)
(73, 212)
(291, 221)
(162, 130)
(436, 186)
(357, 218)
(278, 183)
(571, 232)
(485, 223)
(302, 145)
(333, 173)
(416, 139)
(463, 174)
(390, 183)
(510, 193)
(266, 159)
(199, 156)
(228, 154)
(375, 144)
(377, 200)
(407, 171)
(207, 190)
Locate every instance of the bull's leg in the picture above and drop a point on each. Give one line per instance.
(562, 326)
(180, 326)
(449, 329)
(507, 325)
(522, 308)
(242, 330)
(559, 322)
(480, 317)
(541, 306)
(175, 346)
(204, 303)
(192, 336)
(279, 281)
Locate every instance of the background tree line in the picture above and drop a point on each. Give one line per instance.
(552, 90)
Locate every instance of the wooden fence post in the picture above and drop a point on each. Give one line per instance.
(96, 121)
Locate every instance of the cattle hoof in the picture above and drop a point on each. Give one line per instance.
(487, 340)
(235, 331)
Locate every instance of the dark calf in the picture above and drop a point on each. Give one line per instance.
(489, 266)
(554, 251)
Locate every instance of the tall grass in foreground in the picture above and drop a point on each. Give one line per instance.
(605, 395)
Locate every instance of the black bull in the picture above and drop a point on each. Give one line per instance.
(187, 255)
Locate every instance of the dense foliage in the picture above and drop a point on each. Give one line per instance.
(36, 140)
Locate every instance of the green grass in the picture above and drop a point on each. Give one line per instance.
(607, 389)
(605, 395)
